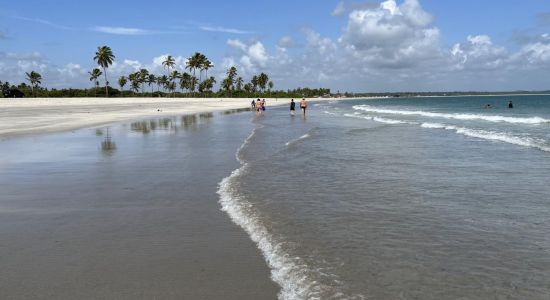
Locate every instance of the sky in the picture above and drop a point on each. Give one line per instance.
(356, 46)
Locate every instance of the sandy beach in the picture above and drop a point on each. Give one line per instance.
(40, 115)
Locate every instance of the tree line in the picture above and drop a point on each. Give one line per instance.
(171, 84)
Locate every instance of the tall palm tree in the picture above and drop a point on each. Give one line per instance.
(262, 81)
(143, 77)
(185, 80)
(206, 65)
(163, 81)
(173, 76)
(240, 82)
(104, 57)
(195, 62)
(270, 85)
(134, 82)
(210, 83)
(254, 82)
(159, 83)
(35, 79)
(169, 62)
(122, 82)
(151, 79)
(193, 84)
(94, 75)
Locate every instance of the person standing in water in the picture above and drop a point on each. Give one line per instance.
(258, 107)
(303, 106)
(253, 104)
(292, 107)
(263, 104)
(510, 104)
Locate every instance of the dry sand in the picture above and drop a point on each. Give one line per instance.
(40, 115)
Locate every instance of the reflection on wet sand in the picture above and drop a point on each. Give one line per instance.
(234, 111)
(171, 125)
(108, 146)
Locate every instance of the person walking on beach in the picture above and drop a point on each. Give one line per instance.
(253, 104)
(292, 107)
(303, 106)
(258, 107)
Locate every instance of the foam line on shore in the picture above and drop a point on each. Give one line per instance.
(456, 116)
(289, 272)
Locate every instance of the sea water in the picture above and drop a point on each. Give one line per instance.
(401, 198)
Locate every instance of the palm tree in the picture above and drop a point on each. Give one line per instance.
(122, 82)
(270, 85)
(171, 87)
(151, 79)
(35, 79)
(143, 77)
(206, 65)
(195, 62)
(134, 82)
(163, 81)
(254, 82)
(210, 83)
(173, 76)
(240, 82)
(192, 83)
(248, 87)
(104, 57)
(185, 80)
(169, 62)
(94, 75)
(262, 81)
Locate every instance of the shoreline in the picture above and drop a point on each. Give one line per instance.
(46, 115)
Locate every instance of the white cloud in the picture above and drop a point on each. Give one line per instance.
(224, 30)
(122, 30)
(286, 42)
(43, 22)
(340, 9)
(478, 53)
(251, 56)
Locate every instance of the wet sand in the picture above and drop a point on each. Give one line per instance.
(127, 211)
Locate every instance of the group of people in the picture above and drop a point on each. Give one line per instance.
(259, 106)
(303, 106)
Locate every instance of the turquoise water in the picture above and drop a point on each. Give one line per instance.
(418, 198)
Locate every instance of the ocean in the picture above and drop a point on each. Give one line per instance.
(400, 198)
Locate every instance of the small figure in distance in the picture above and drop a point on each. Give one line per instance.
(488, 106)
(263, 104)
(253, 104)
(303, 106)
(292, 107)
(510, 104)
(258, 107)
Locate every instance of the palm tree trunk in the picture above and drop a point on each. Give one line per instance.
(106, 89)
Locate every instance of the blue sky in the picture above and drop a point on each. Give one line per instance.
(348, 45)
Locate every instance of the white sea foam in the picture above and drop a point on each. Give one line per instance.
(493, 136)
(476, 133)
(289, 272)
(377, 119)
(305, 136)
(456, 116)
